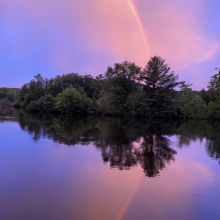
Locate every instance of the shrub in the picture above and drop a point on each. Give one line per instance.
(70, 101)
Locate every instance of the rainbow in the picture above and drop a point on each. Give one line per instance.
(130, 198)
(140, 26)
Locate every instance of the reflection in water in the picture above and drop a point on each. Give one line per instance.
(40, 181)
(6, 111)
(155, 154)
(123, 143)
(113, 137)
(208, 131)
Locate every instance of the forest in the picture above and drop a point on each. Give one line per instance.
(124, 90)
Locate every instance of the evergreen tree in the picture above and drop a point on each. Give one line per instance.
(213, 87)
(159, 83)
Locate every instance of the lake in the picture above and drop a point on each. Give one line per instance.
(57, 167)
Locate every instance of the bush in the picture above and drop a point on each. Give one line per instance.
(16, 103)
(11, 96)
(43, 104)
(24, 104)
(48, 103)
(213, 110)
(31, 106)
(196, 108)
(70, 101)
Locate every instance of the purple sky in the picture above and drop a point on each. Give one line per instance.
(55, 37)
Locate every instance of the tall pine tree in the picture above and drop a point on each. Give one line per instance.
(159, 83)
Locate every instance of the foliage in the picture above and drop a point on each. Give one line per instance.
(205, 95)
(214, 94)
(124, 89)
(191, 105)
(122, 85)
(43, 104)
(218, 73)
(71, 101)
(213, 87)
(8, 95)
(196, 108)
(159, 83)
(213, 110)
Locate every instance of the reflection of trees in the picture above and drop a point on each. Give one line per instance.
(114, 137)
(213, 140)
(60, 129)
(213, 149)
(117, 147)
(155, 154)
(194, 130)
(6, 110)
(124, 143)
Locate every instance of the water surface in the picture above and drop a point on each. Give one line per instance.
(56, 167)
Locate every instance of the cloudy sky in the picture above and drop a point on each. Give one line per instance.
(55, 37)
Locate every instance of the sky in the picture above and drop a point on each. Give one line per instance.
(56, 37)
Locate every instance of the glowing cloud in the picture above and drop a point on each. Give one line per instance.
(61, 36)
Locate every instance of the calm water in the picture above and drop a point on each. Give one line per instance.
(61, 168)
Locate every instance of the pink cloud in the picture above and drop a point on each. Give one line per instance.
(176, 31)
(109, 25)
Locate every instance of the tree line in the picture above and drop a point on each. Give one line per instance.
(125, 89)
(8, 95)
